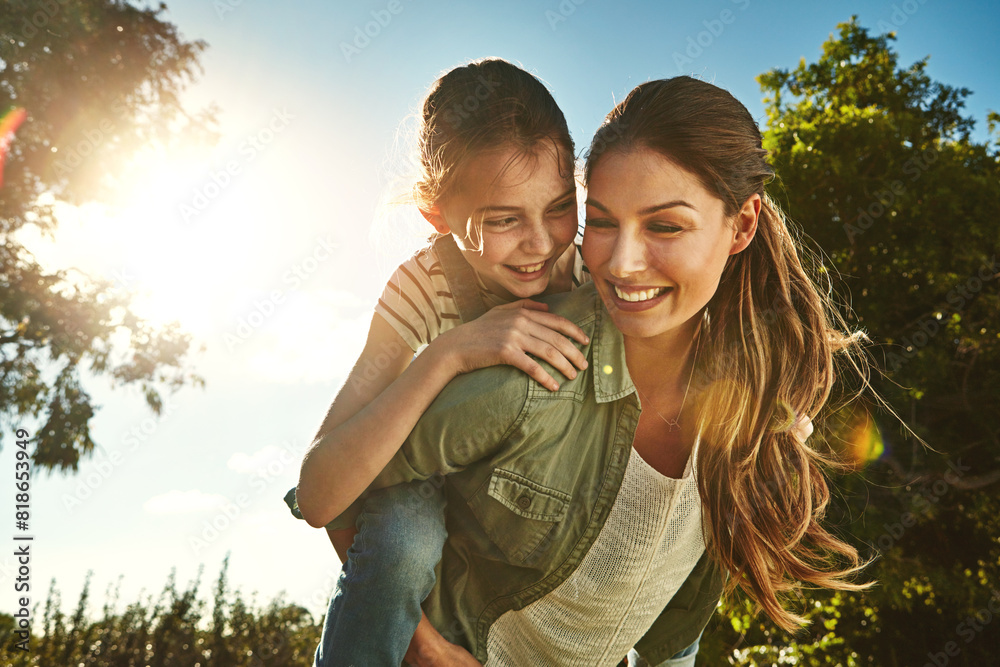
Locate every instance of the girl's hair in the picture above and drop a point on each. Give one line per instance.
(481, 106)
(769, 354)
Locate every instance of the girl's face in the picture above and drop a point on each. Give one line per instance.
(513, 215)
(656, 240)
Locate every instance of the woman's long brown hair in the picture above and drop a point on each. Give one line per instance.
(773, 349)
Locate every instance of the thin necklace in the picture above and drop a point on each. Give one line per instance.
(675, 423)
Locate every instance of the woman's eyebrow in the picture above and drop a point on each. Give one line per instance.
(649, 209)
(670, 204)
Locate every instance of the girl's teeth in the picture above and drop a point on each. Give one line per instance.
(529, 269)
(642, 295)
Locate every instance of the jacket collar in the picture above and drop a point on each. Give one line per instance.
(611, 378)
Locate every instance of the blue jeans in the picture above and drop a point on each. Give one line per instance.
(388, 572)
(683, 658)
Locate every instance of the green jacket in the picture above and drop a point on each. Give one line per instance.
(530, 476)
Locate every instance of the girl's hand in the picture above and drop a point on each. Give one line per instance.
(429, 649)
(508, 334)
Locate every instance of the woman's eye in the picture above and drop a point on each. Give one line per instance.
(663, 228)
(598, 223)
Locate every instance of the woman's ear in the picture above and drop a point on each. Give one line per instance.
(745, 223)
(434, 216)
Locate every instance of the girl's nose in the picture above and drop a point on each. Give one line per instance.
(539, 241)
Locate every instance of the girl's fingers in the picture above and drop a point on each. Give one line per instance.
(562, 325)
(555, 357)
(531, 305)
(558, 348)
(534, 370)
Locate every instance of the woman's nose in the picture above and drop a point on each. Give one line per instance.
(628, 256)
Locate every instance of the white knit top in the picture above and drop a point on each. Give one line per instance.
(651, 541)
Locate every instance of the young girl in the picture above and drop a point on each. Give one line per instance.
(600, 517)
(497, 175)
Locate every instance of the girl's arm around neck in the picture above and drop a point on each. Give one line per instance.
(385, 394)
(375, 410)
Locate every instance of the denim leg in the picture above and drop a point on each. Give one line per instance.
(388, 573)
(683, 658)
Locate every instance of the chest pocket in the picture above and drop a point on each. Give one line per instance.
(517, 513)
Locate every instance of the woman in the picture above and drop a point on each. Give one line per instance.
(581, 525)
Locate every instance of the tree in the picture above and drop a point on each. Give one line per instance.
(99, 79)
(876, 163)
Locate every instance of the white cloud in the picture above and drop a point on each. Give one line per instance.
(245, 463)
(183, 502)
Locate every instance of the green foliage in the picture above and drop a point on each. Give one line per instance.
(170, 630)
(876, 163)
(99, 79)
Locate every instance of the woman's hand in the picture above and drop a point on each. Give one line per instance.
(429, 649)
(508, 334)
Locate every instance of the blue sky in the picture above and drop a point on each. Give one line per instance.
(263, 246)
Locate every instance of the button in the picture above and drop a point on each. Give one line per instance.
(524, 502)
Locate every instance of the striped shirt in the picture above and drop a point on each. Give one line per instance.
(417, 301)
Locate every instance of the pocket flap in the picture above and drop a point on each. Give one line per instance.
(526, 498)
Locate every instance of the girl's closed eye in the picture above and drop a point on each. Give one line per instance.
(500, 223)
(563, 207)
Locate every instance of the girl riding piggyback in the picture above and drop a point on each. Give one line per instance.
(497, 185)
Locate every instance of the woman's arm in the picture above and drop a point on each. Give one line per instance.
(385, 394)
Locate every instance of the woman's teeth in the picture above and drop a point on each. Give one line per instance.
(530, 268)
(641, 295)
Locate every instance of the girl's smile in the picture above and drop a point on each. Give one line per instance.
(514, 215)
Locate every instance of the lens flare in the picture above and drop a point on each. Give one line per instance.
(9, 123)
(863, 441)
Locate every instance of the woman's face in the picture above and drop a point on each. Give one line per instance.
(525, 207)
(656, 240)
